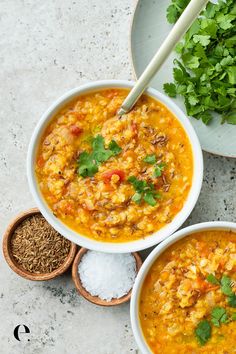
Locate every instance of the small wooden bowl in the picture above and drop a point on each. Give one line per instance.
(16, 267)
(95, 299)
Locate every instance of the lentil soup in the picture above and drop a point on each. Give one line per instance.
(188, 299)
(111, 178)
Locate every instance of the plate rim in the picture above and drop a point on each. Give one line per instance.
(135, 76)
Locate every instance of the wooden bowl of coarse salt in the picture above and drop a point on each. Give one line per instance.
(105, 279)
(34, 250)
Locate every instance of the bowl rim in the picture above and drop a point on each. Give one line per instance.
(95, 299)
(135, 245)
(152, 257)
(18, 219)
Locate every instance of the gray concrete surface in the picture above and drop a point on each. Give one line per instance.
(46, 48)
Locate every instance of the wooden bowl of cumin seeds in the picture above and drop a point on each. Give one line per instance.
(34, 250)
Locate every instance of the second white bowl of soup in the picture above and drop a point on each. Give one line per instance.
(184, 297)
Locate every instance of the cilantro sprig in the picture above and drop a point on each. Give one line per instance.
(226, 288)
(151, 159)
(203, 332)
(205, 74)
(232, 300)
(218, 316)
(88, 162)
(144, 191)
(212, 279)
(225, 284)
(158, 170)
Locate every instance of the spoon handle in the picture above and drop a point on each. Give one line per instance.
(181, 26)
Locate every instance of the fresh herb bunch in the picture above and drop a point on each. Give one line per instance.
(88, 162)
(205, 75)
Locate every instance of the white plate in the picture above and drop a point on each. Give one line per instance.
(149, 29)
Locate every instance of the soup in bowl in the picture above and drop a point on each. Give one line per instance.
(109, 182)
(184, 298)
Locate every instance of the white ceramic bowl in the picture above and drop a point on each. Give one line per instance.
(134, 305)
(106, 246)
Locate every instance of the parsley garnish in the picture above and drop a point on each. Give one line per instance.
(225, 285)
(87, 166)
(144, 190)
(203, 332)
(114, 147)
(232, 300)
(158, 170)
(212, 279)
(88, 162)
(100, 154)
(218, 316)
(233, 317)
(151, 159)
(226, 288)
(205, 74)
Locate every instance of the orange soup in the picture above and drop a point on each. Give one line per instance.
(188, 299)
(114, 178)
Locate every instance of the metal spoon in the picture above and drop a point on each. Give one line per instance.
(182, 25)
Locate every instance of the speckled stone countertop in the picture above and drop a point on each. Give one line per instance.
(48, 47)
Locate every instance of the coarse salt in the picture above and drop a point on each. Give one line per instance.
(107, 275)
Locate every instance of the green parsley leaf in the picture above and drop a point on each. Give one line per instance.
(151, 159)
(212, 279)
(137, 197)
(172, 14)
(98, 143)
(175, 10)
(232, 300)
(158, 170)
(149, 198)
(206, 117)
(233, 316)
(226, 285)
(144, 190)
(203, 40)
(231, 70)
(139, 185)
(87, 166)
(218, 316)
(114, 147)
(88, 162)
(203, 332)
(100, 154)
(170, 89)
